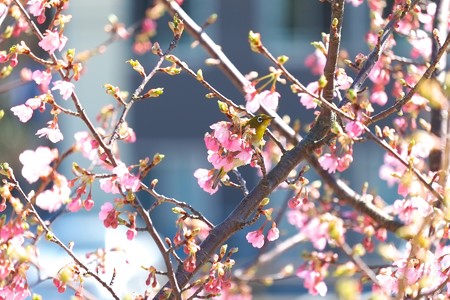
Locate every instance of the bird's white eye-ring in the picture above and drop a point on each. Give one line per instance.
(259, 119)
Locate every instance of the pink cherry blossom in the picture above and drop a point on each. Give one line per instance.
(87, 145)
(37, 9)
(23, 112)
(256, 238)
(228, 148)
(328, 162)
(343, 81)
(317, 232)
(354, 129)
(313, 280)
(378, 95)
(388, 281)
(52, 41)
(75, 204)
(131, 234)
(105, 209)
(305, 99)
(122, 179)
(249, 89)
(344, 162)
(273, 233)
(380, 74)
(205, 180)
(315, 62)
(88, 203)
(268, 99)
(36, 163)
(126, 180)
(413, 209)
(65, 88)
(108, 185)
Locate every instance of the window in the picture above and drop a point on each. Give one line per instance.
(289, 26)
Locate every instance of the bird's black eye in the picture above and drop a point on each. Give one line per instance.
(259, 119)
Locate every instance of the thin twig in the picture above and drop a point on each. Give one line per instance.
(53, 238)
(419, 176)
(161, 199)
(427, 75)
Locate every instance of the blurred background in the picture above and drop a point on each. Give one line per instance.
(175, 123)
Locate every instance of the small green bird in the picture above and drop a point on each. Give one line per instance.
(259, 123)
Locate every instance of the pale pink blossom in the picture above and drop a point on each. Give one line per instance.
(305, 99)
(268, 99)
(48, 200)
(65, 88)
(238, 150)
(23, 112)
(355, 3)
(52, 133)
(42, 78)
(51, 200)
(343, 81)
(34, 103)
(249, 89)
(53, 41)
(388, 281)
(36, 164)
(427, 17)
(256, 238)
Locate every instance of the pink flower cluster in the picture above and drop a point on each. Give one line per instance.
(14, 260)
(428, 273)
(25, 111)
(227, 149)
(314, 271)
(256, 238)
(121, 180)
(331, 162)
(255, 99)
(36, 164)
